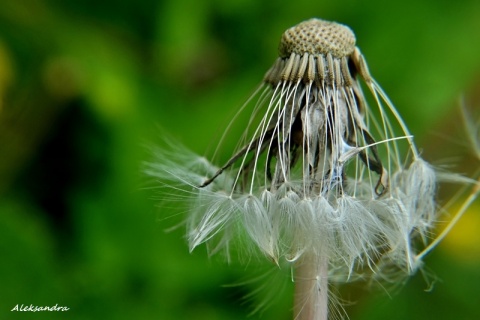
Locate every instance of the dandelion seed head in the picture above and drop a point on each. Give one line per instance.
(319, 172)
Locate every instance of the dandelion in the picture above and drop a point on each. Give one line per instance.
(322, 180)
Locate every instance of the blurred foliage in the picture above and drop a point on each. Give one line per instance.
(84, 85)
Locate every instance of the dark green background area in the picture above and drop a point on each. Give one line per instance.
(85, 85)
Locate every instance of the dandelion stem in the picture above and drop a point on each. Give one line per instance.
(311, 288)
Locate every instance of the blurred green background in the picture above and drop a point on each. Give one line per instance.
(85, 85)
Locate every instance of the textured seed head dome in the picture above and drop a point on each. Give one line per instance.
(318, 37)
